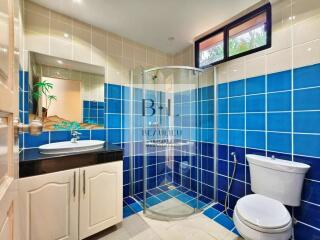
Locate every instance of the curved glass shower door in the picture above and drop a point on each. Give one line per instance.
(169, 143)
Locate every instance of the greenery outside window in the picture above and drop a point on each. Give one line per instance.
(246, 35)
(211, 50)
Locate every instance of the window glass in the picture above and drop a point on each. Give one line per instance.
(248, 35)
(211, 50)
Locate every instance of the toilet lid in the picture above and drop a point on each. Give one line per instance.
(263, 212)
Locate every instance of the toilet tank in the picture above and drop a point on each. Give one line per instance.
(278, 179)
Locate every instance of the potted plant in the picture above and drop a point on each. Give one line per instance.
(40, 89)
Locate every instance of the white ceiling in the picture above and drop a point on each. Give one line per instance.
(152, 22)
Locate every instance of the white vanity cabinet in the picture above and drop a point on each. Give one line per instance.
(71, 204)
(100, 198)
(49, 206)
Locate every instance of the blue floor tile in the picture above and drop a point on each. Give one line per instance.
(136, 207)
(127, 211)
(236, 231)
(163, 196)
(174, 192)
(225, 221)
(151, 201)
(211, 213)
(184, 198)
(196, 204)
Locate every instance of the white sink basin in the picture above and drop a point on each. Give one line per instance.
(69, 147)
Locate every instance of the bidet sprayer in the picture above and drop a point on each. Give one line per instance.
(234, 155)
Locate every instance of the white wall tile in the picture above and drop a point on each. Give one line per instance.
(236, 70)
(99, 47)
(256, 66)
(279, 61)
(114, 47)
(306, 54)
(128, 49)
(306, 30)
(81, 43)
(140, 53)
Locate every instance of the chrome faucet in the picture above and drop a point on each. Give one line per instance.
(75, 136)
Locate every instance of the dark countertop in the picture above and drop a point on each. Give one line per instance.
(32, 162)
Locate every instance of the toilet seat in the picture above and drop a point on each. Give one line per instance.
(263, 214)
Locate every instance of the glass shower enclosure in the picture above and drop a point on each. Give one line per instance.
(170, 173)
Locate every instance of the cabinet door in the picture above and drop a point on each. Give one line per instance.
(100, 197)
(49, 206)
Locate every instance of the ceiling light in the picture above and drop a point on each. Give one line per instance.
(3, 50)
(292, 18)
(77, 1)
(309, 49)
(59, 61)
(66, 35)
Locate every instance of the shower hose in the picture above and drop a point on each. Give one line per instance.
(233, 154)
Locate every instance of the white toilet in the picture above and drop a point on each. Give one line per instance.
(263, 216)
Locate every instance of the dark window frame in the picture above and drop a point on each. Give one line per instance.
(225, 30)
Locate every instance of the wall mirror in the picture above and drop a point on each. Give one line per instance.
(65, 94)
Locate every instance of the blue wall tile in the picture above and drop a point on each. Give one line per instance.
(236, 105)
(236, 121)
(114, 91)
(301, 231)
(223, 136)
(236, 88)
(114, 121)
(307, 76)
(307, 145)
(59, 136)
(255, 121)
(84, 134)
(256, 103)
(255, 85)
(35, 141)
(279, 142)
(256, 139)
(280, 122)
(307, 99)
(98, 134)
(306, 122)
(114, 135)
(308, 213)
(314, 164)
(222, 90)
(279, 81)
(236, 138)
(223, 121)
(311, 191)
(279, 101)
(114, 106)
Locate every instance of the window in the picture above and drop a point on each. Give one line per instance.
(246, 35)
(211, 50)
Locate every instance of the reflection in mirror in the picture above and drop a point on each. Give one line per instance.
(65, 94)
